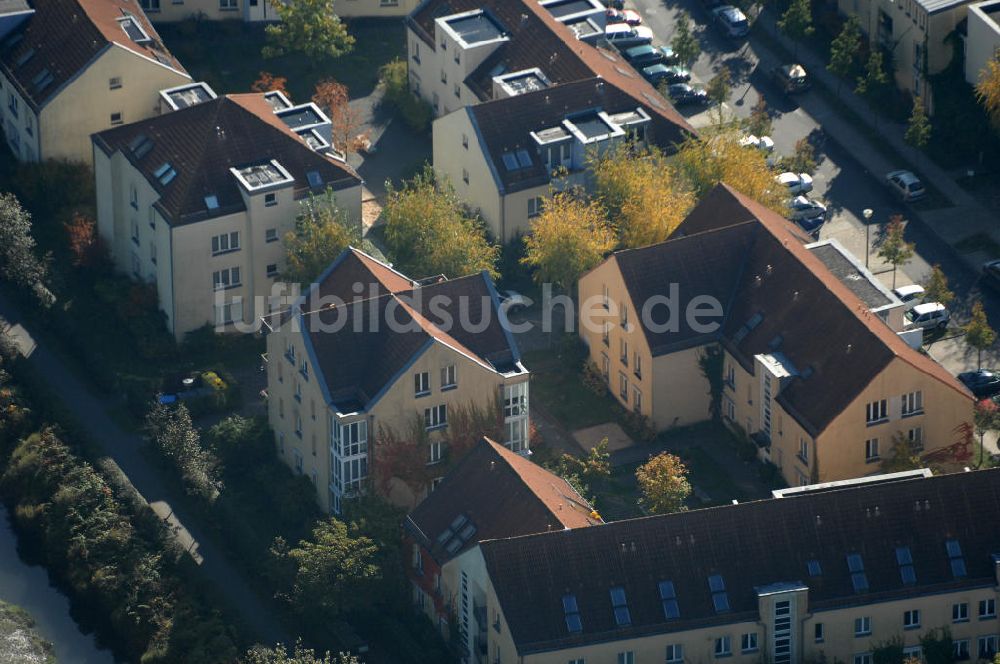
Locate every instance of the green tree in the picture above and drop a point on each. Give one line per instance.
(322, 231)
(903, 455)
(796, 22)
(428, 232)
(19, 263)
(644, 196)
(309, 27)
(895, 249)
(583, 474)
(803, 159)
(569, 237)
(918, 130)
(874, 80)
(988, 90)
(978, 333)
(173, 435)
(937, 289)
(331, 572)
(759, 123)
(844, 50)
(937, 646)
(684, 44)
(718, 89)
(300, 655)
(395, 81)
(664, 484)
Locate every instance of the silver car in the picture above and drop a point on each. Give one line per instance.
(905, 185)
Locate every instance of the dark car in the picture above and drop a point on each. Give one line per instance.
(647, 55)
(812, 225)
(682, 94)
(982, 383)
(660, 73)
(791, 78)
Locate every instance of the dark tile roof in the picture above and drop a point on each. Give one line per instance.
(202, 142)
(750, 545)
(849, 274)
(62, 37)
(776, 297)
(504, 124)
(501, 494)
(357, 359)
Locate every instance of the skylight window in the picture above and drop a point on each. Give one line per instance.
(24, 57)
(572, 612)
(523, 158)
(720, 598)
(165, 173)
(956, 558)
(814, 567)
(134, 30)
(42, 80)
(314, 178)
(857, 568)
(622, 616)
(510, 161)
(140, 146)
(668, 597)
(457, 534)
(212, 202)
(905, 561)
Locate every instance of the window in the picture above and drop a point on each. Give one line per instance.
(668, 597)
(298, 460)
(960, 650)
(623, 347)
(416, 52)
(116, 119)
(444, 76)
(627, 657)
(572, 612)
(436, 101)
(624, 316)
(436, 417)
(856, 567)
(115, 82)
(150, 5)
(988, 646)
(606, 336)
(516, 416)
(465, 176)
(748, 642)
(535, 206)
(675, 653)
(135, 232)
(876, 412)
(225, 243)
(916, 438)
(421, 384)
(636, 364)
(227, 5)
(29, 126)
(720, 599)
(730, 378)
(863, 658)
(911, 619)
(152, 218)
(228, 278)
(913, 403)
(871, 450)
(606, 300)
(960, 612)
(304, 369)
(465, 141)
(272, 269)
(458, 92)
(804, 451)
(623, 386)
(271, 235)
(957, 560)
(818, 634)
(636, 399)
(270, 200)
(723, 646)
(133, 196)
(448, 377)
(620, 606)
(987, 608)
(863, 626)
(436, 450)
(905, 561)
(228, 312)
(152, 252)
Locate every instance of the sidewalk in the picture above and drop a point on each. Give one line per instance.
(964, 218)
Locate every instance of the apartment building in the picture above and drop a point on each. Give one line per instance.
(70, 68)
(828, 573)
(370, 354)
(492, 493)
(809, 372)
(257, 11)
(982, 39)
(920, 37)
(520, 91)
(196, 200)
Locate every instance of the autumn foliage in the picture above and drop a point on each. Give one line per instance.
(88, 250)
(333, 98)
(267, 82)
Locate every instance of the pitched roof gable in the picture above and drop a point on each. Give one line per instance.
(202, 142)
(751, 546)
(63, 37)
(501, 494)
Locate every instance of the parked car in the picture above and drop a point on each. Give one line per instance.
(791, 78)
(512, 301)
(682, 94)
(911, 295)
(797, 183)
(982, 383)
(929, 315)
(731, 21)
(647, 54)
(656, 74)
(801, 207)
(991, 273)
(629, 16)
(623, 35)
(762, 143)
(906, 185)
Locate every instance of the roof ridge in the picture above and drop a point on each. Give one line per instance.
(216, 106)
(432, 330)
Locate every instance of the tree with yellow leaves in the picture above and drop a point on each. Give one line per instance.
(645, 197)
(664, 484)
(707, 161)
(988, 90)
(568, 238)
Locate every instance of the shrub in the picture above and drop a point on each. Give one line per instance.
(593, 379)
(415, 112)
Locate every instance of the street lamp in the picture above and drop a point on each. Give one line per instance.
(867, 214)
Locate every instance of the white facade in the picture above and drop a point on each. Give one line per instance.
(982, 42)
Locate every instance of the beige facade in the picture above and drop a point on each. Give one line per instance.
(179, 260)
(119, 86)
(336, 449)
(982, 41)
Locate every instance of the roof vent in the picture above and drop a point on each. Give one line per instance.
(768, 269)
(849, 348)
(819, 520)
(916, 505)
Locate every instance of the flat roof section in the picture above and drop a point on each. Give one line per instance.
(850, 274)
(592, 126)
(477, 28)
(255, 177)
(186, 96)
(521, 82)
(561, 8)
(298, 117)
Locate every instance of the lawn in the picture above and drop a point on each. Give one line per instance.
(557, 388)
(226, 55)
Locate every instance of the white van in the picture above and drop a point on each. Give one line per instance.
(927, 316)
